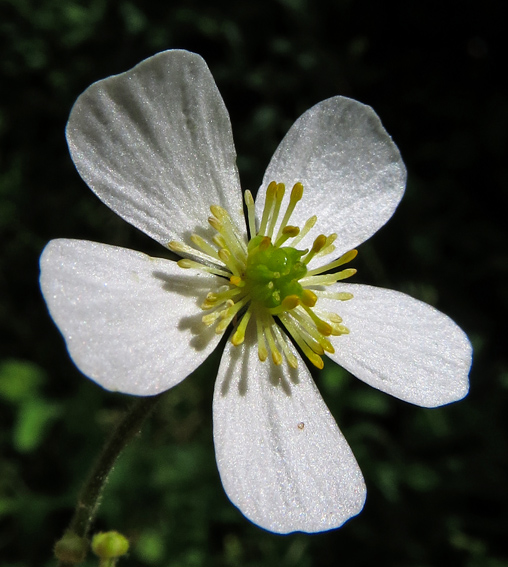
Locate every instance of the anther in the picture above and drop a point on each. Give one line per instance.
(186, 263)
(251, 213)
(287, 232)
(279, 195)
(309, 298)
(296, 195)
(239, 335)
(316, 247)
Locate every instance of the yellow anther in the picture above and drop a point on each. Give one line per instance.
(309, 298)
(287, 232)
(291, 231)
(297, 192)
(339, 296)
(316, 247)
(215, 223)
(269, 203)
(237, 280)
(226, 312)
(174, 246)
(251, 213)
(262, 352)
(334, 318)
(296, 195)
(224, 255)
(271, 190)
(239, 335)
(316, 360)
(279, 195)
(218, 212)
(210, 318)
(265, 243)
(290, 302)
(344, 296)
(184, 263)
(277, 357)
(347, 273)
(324, 328)
(318, 243)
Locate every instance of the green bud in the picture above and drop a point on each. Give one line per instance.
(109, 545)
(71, 548)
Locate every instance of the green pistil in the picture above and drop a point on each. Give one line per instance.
(272, 273)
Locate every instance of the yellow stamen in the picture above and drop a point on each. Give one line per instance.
(328, 279)
(295, 333)
(239, 335)
(213, 299)
(262, 352)
(288, 232)
(316, 247)
(228, 315)
(181, 248)
(306, 227)
(230, 261)
(207, 248)
(251, 213)
(309, 298)
(276, 355)
(340, 296)
(284, 345)
(237, 280)
(269, 203)
(279, 195)
(296, 195)
(344, 259)
(322, 326)
(288, 303)
(186, 263)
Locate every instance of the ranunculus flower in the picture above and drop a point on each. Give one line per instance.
(155, 144)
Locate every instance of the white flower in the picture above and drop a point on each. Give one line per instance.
(155, 144)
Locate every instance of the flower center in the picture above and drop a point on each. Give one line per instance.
(264, 279)
(272, 273)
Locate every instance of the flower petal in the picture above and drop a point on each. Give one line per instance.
(131, 322)
(401, 346)
(155, 144)
(282, 459)
(352, 172)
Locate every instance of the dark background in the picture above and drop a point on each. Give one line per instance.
(437, 479)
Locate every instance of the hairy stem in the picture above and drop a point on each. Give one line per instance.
(89, 498)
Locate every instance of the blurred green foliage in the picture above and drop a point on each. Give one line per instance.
(437, 479)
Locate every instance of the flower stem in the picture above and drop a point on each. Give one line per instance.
(89, 498)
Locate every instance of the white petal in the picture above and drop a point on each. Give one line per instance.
(401, 346)
(282, 459)
(131, 322)
(155, 144)
(352, 172)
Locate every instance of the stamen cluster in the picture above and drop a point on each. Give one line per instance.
(264, 279)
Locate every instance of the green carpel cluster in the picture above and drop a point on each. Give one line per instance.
(272, 273)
